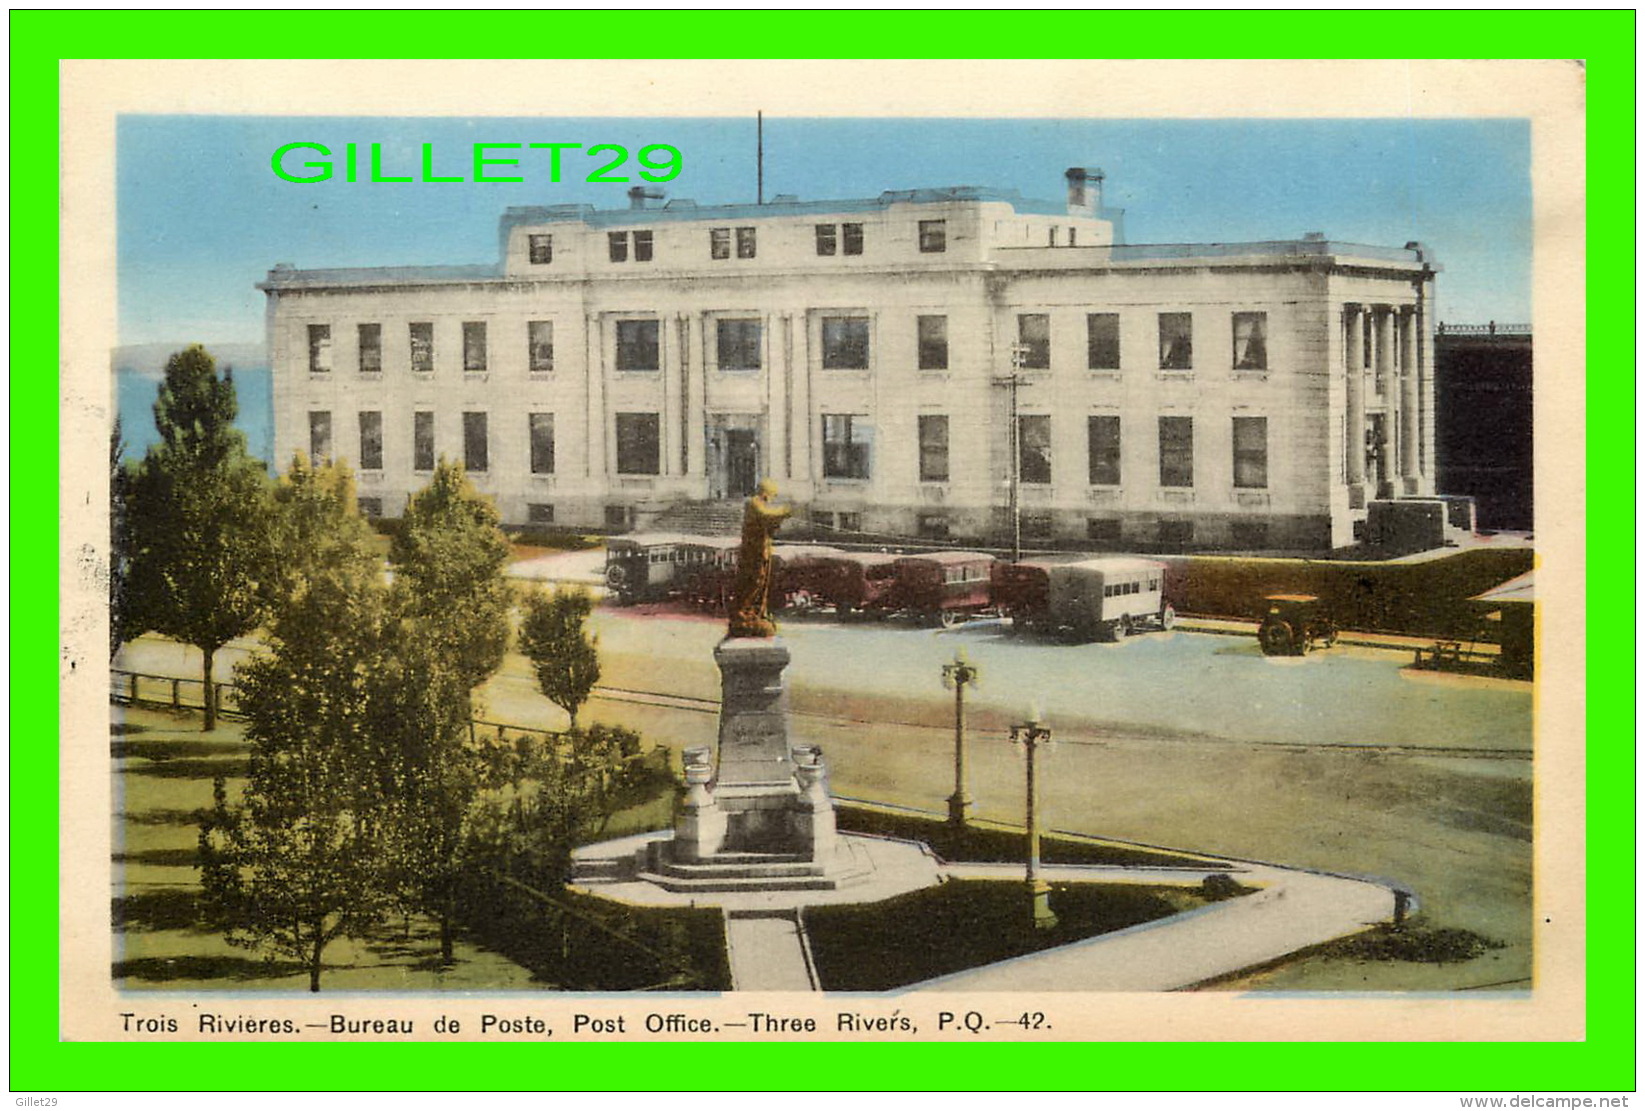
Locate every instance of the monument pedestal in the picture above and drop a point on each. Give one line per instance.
(762, 813)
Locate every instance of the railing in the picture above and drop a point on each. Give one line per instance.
(1489, 329)
(136, 688)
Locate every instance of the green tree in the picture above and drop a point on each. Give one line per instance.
(449, 555)
(554, 636)
(197, 520)
(453, 604)
(549, 797)
(299, 863)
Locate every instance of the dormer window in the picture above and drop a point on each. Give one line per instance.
(933, 236)
(540, 249)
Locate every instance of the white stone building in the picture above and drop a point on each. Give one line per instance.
(616, 363)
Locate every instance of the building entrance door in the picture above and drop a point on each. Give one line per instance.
(733, 455)
(742, 462)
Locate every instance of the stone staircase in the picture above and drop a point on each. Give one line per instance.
(703, 518)
(728, 871)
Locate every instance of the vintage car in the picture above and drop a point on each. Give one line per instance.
(707, 565)
(858, 582)
(943, 588)
(798, 575)
(1021, 591)
(1107, 598)
(644, 567)
(1293, 623)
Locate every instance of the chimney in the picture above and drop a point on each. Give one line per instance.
(1084, 191)
(639, 194)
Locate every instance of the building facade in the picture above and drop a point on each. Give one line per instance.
(911, 365)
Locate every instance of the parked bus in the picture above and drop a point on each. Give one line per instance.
(1107, 598)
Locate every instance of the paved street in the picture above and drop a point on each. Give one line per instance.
(1341, 761)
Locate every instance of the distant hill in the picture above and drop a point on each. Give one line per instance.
(139, 369)
(148, 360)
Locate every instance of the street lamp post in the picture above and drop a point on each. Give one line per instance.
(1031, 734)
(957, 676)
(1019, 354)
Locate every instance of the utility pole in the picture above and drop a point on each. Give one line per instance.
(1014, 380)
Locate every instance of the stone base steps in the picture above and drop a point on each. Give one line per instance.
(707, 518)
(727, 872)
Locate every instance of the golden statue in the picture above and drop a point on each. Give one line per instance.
(751, 592)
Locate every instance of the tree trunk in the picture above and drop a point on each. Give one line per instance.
(446, 938)
(210, 699)
(314, 962)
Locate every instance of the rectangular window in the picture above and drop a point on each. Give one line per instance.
(1250, 534)
(1038, 524)
(541, 248)
(745, 242)
(845, 342)
(642, 246)
(1104, 531)
(1251, 452)
(319, 436)
(370, 508)
(851, 239)
(933, 236)
(474, 347)
(849, 521)
(846, 444)
(476, 448)
(719, 243)
(539, 514)
(1034, 337)
(1176, 451)
(542, 443)
(932, 526)
(739, 344)
(422, 348)
(1103, 436)
(639, 445)
(422, 441)
(1102, 340)
(319, 348)
(371, 348)
(933, 448)
(1176, 341)
(371, 441)
(933, 341)
(1174, 536)
(637, 345)
(827, 239)
(1034, 449)
(617, 245)
(540, 345)
(1250, 341)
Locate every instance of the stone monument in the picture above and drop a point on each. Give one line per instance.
(761, 807)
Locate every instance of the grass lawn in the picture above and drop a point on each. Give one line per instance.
(164, 767)
(996, 843)
(966, 923)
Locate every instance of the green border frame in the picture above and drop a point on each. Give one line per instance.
(1605, 1061)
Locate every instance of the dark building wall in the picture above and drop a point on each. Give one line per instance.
(1482, 431)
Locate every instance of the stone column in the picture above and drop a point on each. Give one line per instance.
(775, 448)
(1382, 347)
(1409, 426)
(695, 400)
(1354, 369)
(594, 356)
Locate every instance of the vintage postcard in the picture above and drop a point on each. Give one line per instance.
(833, 551)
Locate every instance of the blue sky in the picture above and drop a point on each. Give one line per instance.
(202, 217)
